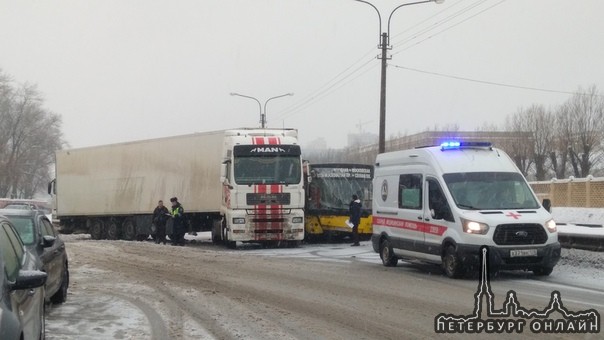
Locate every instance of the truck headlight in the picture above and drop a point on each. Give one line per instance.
(297, 219)
(551, 226)
(473, 227)
(238, 220)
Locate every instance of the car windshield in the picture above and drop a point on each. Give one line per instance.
(490, 191)
(267, 170)
(25, 227)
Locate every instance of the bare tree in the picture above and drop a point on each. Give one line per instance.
(29, 136)
(586, 123)
(519, 149)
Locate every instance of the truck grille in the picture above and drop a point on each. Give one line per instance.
(268, 199)
(519, 234)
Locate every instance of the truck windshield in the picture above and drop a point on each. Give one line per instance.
(490, 191)
(336, 193)
(267, 170)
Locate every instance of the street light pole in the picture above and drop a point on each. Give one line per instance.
(384, 45)
(262, 114)
(263, 118)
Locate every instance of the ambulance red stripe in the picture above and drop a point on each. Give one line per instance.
(409, 225)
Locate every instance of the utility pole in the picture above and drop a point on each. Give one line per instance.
(384, 46)
(384, 57)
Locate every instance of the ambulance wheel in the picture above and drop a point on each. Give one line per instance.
(451, 263)
(543, 271)
(387, 254)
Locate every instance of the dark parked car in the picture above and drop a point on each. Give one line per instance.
(41, 238)
(22, 295)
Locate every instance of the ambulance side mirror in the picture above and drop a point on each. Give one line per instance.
(547, 204)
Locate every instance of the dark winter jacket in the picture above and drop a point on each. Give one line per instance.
(355, 212)
(160, 215)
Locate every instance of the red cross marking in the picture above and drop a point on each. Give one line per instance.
(512, 215)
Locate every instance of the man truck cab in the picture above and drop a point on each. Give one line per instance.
(441, 204)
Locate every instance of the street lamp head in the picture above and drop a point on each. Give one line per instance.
(439, 1)
(233, 94)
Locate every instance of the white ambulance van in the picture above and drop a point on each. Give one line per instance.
(441, 204)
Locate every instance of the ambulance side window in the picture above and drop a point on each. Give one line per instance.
(410, 192)
(437, 202)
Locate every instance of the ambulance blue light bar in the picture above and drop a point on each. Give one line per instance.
(456, 145)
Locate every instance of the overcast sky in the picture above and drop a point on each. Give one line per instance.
(126, 70)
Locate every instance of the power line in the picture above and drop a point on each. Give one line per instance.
(486, 82)
(335, 80)
(326, 92)
(326, 89)
(450, 27)
(440, 23)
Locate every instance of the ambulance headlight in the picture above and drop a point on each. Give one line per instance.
(238, 220)
(297, 219)
(551, 226)
(472, 227)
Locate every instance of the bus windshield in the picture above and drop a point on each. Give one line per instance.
(270, 169)
(336, 193)
(490, 191)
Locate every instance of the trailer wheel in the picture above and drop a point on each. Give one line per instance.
(96, 229)
(128, 230)
(113, 231)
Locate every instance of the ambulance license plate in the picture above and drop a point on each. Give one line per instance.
(523, 252)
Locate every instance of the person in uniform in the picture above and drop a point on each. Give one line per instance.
(179, 223)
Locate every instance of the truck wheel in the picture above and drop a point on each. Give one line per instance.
(128, 230)
(387, 254)
(96, 229)
(216, 237)
(543, 271)
(451, 263)
(227, 243)
(113, 231)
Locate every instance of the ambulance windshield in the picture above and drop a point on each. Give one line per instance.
(490, 191)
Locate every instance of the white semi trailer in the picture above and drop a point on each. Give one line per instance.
(244, 185)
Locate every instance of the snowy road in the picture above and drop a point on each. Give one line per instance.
(138, 290)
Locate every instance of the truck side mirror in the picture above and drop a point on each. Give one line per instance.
(547, 204)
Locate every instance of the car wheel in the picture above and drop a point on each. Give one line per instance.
(387, 254)
(451, 263)
(113, 231)
(128, 230)
(543, 271)
(96, 229)
(61, 295)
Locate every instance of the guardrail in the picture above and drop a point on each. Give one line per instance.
(581, 236)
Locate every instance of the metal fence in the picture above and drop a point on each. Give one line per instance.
(573, 192)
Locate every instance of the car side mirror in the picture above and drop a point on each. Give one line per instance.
(547, 204)
(48, 241)
(29, 279)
